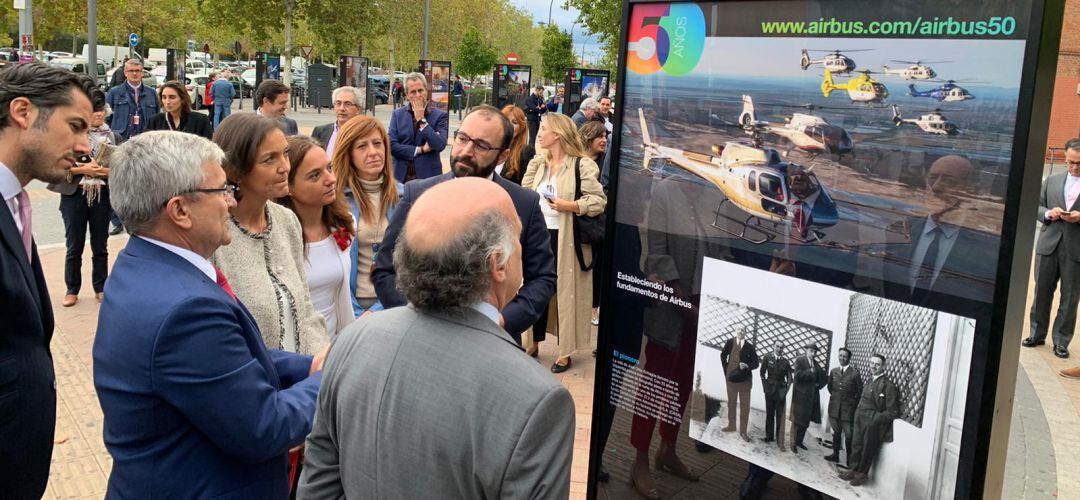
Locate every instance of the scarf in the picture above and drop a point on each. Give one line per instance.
(92, 186)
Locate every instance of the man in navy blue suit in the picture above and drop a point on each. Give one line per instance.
(195, 404)
(418, 133)
(44, 116)
(481, 143)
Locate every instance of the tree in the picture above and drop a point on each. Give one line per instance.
(557, 51)
(475, 56)
(602, 18)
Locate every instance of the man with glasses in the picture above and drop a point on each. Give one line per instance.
(132, 105)
(1058, 255)
(479, 145)
(418, 133)
(346, 106)
(195, 405)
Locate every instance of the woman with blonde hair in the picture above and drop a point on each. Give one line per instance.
(521, 152)
(264, 263)
(567, 180)
(365, 180)
(327, 229)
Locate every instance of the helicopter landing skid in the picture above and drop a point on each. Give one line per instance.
(751, 223)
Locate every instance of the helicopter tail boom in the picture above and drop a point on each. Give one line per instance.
(748, 117)
(805, 61)
(827, 84)
(646, 141)
(896, 118)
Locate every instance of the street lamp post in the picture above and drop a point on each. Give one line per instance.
(427, 16)
(552, 2)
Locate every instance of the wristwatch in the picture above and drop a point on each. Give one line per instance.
(421, 122)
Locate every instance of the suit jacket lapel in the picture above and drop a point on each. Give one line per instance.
(13, 240)
(1056, 195)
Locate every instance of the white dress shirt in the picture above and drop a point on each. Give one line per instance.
(10, 188)
(1069, 181)
(487, 310)
(948, 239)
(195, 259)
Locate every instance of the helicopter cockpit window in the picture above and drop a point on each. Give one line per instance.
(751, 181)
(771, 186)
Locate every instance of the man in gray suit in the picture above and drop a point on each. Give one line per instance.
(346, 106)
(1058, 250)
(435, 399)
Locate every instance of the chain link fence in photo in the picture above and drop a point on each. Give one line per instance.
(719, 317)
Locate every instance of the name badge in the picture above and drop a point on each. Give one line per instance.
(135, 120)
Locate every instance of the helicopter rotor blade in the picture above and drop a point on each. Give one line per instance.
(920, 62)
(838, 51)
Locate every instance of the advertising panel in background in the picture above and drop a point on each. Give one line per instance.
(438, 77)
(353, 72)
(510, 85)
(581, 83)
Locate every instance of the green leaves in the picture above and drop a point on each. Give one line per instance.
(557, 50)
(475, 55)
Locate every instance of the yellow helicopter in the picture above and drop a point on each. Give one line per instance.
(862, 88)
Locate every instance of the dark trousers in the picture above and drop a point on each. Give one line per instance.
(1049, 269)
(841, 429)
(800, 433)
(675, 365)
(867, 442)
(738, 401)
(534, 127)
(77, 216)
(209, 111)
(540, 327)
(774, 417)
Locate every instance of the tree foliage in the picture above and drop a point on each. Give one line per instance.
(557, 51)
(475, 56)
(604, 19)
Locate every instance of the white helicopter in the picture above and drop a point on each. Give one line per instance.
(807, 132)
(918, 70)
(835, 61)
(756, 181)
(932, 123)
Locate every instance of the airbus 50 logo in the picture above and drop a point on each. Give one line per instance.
(670, 37)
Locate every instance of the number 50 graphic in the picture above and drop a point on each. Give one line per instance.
(667, 37)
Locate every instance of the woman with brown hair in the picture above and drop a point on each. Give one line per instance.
(594, 138)
(176, 114)
(521, 152)
(327, 229)
(557, 175)
(365, 180)
(265, 260)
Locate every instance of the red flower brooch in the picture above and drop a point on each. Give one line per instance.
(342, 237)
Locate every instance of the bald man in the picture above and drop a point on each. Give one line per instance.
(948, 257)
(409, 387)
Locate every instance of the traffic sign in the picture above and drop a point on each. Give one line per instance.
(191, 45)
(305, 50)
(206, 48)
(511, 58)
(133, 39)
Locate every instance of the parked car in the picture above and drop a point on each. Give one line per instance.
(197, 90)
(78, 65)
(249, 77)
(241, 86)
(380, 96)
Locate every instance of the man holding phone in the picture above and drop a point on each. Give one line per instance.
(418, 133)
(1058, 255)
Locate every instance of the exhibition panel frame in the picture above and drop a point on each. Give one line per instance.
(839, 184)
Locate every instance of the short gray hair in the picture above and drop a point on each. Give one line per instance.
(153, 167)
(417, 77)
(133, 62)
(1073, 144)
(590, 103)
(457, 274)
(355, 92)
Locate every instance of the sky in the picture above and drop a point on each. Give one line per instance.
(564, 19)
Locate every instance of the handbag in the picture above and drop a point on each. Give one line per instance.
(587, 230)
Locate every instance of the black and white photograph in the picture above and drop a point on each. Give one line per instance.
(854, 395)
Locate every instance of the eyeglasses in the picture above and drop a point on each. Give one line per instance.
(1072, 163)
(461, 139)
(229, 191)
(346, 104)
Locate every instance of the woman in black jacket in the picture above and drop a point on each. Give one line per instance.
(177, 114)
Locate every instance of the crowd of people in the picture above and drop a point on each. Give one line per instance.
(254, 249)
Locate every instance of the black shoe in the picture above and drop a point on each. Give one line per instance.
(116, 230)
(1031, 342)
(557, 368)
(702, 447)
(1061, 352)
(603, 475)
(767, 439)
(800, 445)
(832, 458)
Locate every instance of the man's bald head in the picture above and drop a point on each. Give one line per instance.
(456, 235)
(949, 175)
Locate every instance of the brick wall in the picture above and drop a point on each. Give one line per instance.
(1065, 110)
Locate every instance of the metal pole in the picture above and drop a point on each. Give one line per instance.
(91, 39)
(26, 24)
(552, 2)
(427, 17)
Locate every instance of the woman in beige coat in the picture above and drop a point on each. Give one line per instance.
(551, 173)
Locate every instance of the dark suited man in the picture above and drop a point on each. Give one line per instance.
(346, 105)
(534, 107)
(273, 99)
(478, 146)
(879, 405)
(805, 403)
(1058, 250)
(845, 386)
(776, 377)
(44, 118)
(739, 358)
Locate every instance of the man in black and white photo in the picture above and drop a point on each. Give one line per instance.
(739, 359)
(879, 405)
(805, 403)
(845, 386)
(776, 377)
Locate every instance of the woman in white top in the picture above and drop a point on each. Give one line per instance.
(327, 229)
(552, 174)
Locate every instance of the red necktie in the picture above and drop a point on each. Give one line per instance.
(224, 283)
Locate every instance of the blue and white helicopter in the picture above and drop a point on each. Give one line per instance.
(947, 92)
